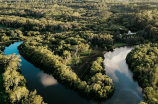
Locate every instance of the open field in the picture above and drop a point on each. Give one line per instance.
(119, 45)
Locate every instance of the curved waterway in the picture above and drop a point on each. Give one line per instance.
(127, 90)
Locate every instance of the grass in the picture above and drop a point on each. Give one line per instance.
(119, 45)
(87, 60)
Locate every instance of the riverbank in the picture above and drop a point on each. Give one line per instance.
(56, 88)
(87, 60)
(3, 95)
(64, 74)
(117, 45)
(15, 83)
(143, 62)
(7, 43)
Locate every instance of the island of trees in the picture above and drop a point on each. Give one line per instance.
(98, 85)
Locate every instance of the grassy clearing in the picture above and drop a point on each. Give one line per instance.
(87, 60)
(119, 45)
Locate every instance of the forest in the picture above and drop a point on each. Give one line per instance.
(66, 38)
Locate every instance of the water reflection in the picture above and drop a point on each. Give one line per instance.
(127, 90)
(51, 91)
(47, 80)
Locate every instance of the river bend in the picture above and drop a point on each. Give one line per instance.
(127, 91)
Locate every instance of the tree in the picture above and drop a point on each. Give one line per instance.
(33, 98)
(67, 56)
(18, 94)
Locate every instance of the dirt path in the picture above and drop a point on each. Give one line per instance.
(88, 64)
(82, 68)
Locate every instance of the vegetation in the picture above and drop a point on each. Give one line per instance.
(98, 88)
(143, 61)
(15, 83)
(3, 97)
(104, 21)
(61, 35)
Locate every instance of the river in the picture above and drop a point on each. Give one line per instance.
(127, 91)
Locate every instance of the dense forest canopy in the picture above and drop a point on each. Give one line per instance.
(96, 17)
(15, 83)
(61, 35)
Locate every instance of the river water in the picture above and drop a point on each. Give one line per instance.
(127, 90)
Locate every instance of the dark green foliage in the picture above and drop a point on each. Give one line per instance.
(7, 35)
(2, 48)
(15, 83)
(58, 32)
(3, 96)
(105, 19)
(143, 61)
(96, 77)
(98, 88)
